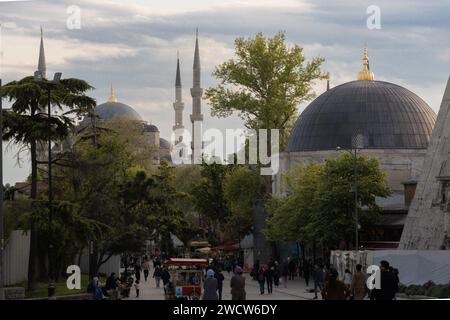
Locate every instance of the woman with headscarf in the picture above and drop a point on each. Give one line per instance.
(95, 289)
(210, 286)
(237, 284)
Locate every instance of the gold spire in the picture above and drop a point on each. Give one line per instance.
(112, 98)
(365, 73)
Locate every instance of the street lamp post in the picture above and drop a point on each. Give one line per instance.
(357, 144)
(51, 285)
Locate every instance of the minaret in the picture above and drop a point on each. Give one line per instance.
(178, 105)
(42, 67)
(196, 93)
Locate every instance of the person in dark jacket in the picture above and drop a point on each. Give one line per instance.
(157, 274)
(306, 272)
(210, 286)
(268, 275)
(334, 289)
(318, 277)
(387, 283)
(261, 279)
(111, 282)
(237, 285)
(137, 271)
(165, 277)
(276, 275)
(219, 276)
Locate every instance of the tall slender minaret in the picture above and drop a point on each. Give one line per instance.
(196, 93)
(178, 105)
(42, 67)
(42, 147)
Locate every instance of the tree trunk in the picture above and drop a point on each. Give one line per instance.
(33, 233)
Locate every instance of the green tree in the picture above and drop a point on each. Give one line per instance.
(242, 187)
(264, 84)
(94, 175)
(336, 213)
(209, 198)
(319, 201)
(26, 124)
(167, 218)
(293, 215)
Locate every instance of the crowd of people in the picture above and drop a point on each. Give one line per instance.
(325, 280)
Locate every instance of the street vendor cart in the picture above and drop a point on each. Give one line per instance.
(186, 278)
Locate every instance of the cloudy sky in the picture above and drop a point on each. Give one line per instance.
(134, 44)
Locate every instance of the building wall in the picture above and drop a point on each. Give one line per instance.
(17, 251)
(398, 164)
(112, 265)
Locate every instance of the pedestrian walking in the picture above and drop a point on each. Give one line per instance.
(261, 279)
(157, 276)
(388, 283)
(285, 273)
(396, 280)
(146, 268)
(137, 271)
(219, 276)
(210, 286)
(358, 286)
(165, 277)
(237, 284)
(334, 289)
(268, 275)
(292, 268)
(318, 277)
(348, 278)
(227, 264)
(306, 272)
(136, 287)
(276, 275)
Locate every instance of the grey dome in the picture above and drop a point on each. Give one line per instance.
(150, 128)
(389, 117)
(109, 110)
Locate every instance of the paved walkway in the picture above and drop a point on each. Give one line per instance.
(296, 290)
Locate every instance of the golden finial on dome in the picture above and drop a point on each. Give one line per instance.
(365, 73)
(112, 98)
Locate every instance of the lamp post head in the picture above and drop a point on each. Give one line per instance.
(358, 141)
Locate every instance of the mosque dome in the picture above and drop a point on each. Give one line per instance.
(114, 109)
(150, 128)
(387, 116)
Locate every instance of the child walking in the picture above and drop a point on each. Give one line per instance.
(136, 286)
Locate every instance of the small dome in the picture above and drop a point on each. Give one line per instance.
(110, 110)
(150, 128)
(387, 115)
